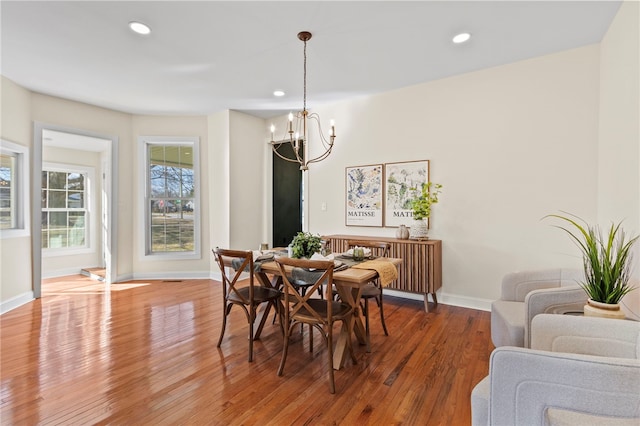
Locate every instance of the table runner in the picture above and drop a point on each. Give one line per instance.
(386, 270)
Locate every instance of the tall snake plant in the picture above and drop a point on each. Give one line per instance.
(606, 259)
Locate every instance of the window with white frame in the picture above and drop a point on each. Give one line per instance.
(14, 190)
(65, 206)
(171, 188)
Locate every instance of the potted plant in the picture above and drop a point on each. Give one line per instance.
(305, 244)
(421, 204)
(607, 265)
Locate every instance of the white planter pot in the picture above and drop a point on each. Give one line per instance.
(604, 310)
(419, 230)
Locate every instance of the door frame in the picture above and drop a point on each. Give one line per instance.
(110, 244)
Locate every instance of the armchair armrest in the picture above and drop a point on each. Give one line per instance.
(551, 300)
(586, 335)
(524, 383)
(516, 285)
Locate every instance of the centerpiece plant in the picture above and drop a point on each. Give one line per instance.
(305, 244)
(606, 258)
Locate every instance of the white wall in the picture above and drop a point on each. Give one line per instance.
(15, 253)
(219, 162)
(247, 207)
(509, 144)
(619, 132)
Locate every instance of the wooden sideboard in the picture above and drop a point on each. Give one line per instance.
(421, 268)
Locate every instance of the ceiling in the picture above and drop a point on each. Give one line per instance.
(207, 56)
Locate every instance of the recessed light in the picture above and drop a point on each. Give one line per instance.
(278, 93)
(139, 27)
(461, 38)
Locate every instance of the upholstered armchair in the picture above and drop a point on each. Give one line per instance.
(579, 370)
(529, 293)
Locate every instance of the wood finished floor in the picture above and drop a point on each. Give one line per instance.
(144, 352)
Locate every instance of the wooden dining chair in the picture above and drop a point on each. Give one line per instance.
(320, 314)
(373, 289)
(248, 297)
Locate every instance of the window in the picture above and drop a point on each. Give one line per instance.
(14, 190)
(65, 212)
(171, 197)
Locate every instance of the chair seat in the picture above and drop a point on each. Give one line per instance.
(338, 310)
(370, 290)
(260, 294)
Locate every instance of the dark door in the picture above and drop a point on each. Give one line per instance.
(287, 198)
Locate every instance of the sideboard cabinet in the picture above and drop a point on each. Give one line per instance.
(421, 268)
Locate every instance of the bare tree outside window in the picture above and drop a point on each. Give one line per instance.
(171, 186)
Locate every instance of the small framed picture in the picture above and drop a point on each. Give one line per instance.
(401, 180)
(364, 195)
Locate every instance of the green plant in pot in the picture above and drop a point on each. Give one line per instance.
(607, 264)
(421, 204)
(305, 244)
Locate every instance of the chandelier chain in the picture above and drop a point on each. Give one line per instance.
(304, 96)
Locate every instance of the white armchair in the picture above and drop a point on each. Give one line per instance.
(529, 293)
(580, 370)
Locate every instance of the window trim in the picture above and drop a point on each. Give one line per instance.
(144, 221)
(21, 153)
(90, 208)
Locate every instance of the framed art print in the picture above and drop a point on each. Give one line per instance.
(401, 179)
(364, 190)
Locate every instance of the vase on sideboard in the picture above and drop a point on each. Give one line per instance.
(402, 233)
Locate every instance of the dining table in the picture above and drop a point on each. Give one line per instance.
(349, 284)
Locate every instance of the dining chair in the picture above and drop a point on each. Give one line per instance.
(248, 297)
(373, 289)
(320, 314)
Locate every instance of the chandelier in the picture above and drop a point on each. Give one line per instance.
(298, 132)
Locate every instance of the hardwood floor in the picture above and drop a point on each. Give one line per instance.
(144, 352)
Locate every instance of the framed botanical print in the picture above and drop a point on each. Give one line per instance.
(401, 180)
(364, 195)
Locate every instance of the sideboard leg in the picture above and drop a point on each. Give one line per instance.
(426, 301)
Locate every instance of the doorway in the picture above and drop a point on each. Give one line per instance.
(287, 204)
(77, 143)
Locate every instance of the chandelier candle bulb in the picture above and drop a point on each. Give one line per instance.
(333, 128)
(273, 129)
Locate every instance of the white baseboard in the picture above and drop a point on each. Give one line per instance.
(445, 299)
(178, 275)
(61, 273)
(122, 278)
(15, 302)
(465, 302)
